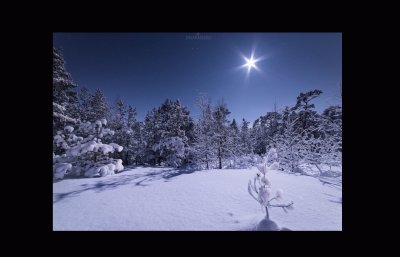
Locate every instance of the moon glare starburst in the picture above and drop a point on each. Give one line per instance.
(250, 63)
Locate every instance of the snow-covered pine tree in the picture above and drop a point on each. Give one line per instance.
(318, 136)
(85, 98)
(65, 102)
(306, 110)
(175, 124)
(221, 132)
(241, 144)
(168, 130)
(128, 133)
(135, 144)
(332, 120)
(307, 137)
(151, 136)
(245, 137)
(99, 107)
(265, 128)
(233, 144)
(82, 152)
(258, 136)
(138, 144)
(118, 124)
(205, 150)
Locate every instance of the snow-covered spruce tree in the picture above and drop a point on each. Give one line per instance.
(85, 99)
(265, 128)
(99, 107)
(65, 103)
(204, 148)
(134, 141)
(82, 151)
(122, 132)
(176, 126)
(216, 140)
(167, 129)
(258, 136)
(260, 190)
(243, 147)
(233, 144)
(245, 138)
(221, 132)
(151, 136)
(136, 151)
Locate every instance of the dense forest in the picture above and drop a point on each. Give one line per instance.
(93, 137)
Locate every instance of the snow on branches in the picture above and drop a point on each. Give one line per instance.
(60, 169)
(81, 151)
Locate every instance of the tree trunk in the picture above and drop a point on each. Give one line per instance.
(319, 169)
(219, 156)
(291, 158)
(126, 157)
(305, 117)
(97, 140)
(207, 160)
(266, 213)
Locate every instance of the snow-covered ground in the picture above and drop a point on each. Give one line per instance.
(150, 198)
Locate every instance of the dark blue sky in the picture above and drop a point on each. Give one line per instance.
(146, 68)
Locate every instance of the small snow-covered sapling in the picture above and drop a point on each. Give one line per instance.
(260, 187)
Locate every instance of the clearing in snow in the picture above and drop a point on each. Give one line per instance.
(159, 198)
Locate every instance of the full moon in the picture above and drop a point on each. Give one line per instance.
(250, 63)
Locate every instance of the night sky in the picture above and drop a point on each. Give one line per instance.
(146, 68)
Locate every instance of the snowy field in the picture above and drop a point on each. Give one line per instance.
(150, 198)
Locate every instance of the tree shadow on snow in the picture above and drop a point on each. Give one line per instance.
(336, 199)
(61, 196)
(333, 201)
(99, 186)
(75, 177)
(113, 182)
(166, 173)
(176, 172)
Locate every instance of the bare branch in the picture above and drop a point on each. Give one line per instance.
(274, 198)
(249, 188)
(283, 206)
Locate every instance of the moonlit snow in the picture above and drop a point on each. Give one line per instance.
(243, 150)
(153, 198)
